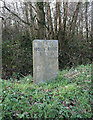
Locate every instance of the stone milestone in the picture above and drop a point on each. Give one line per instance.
(45, 60)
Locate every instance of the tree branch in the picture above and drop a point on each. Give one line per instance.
(16, 15)
(2, 17)
(21, 18)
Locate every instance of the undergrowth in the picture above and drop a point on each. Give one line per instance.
(67, 96)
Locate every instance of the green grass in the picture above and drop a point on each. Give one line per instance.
(68, 96)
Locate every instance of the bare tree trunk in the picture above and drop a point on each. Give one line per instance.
(92, 20)
(86, 20)
(41, 19)
(59, 26)
(26, 11)
(27, 17)
(65, 5)
(50, 23)
(74, 19)
(47, 22)
(32, 21)
(55, 20)
(81, 25)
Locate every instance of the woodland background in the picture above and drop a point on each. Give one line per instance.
(70, 23)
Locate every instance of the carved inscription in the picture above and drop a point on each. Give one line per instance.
(50, 51)
(43, 49)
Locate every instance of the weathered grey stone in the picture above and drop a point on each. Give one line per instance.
(45, 60)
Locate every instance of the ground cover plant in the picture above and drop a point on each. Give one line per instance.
(68, 96)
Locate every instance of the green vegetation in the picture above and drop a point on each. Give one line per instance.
(68, 96)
